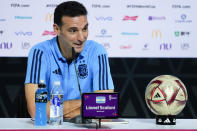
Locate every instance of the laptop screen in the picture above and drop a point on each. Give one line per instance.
(100, 105)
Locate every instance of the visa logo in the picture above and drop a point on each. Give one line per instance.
(100, 99)
(21, 33)
(101, 18)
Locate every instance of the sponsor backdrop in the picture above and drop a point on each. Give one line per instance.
(126, 28)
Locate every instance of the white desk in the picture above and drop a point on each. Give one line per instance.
(133, 124)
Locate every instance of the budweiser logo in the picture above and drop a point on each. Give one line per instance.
(134, 18)
(48, 33)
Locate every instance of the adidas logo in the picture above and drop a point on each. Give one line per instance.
(157, 95)
(57, 71)
(167, 121)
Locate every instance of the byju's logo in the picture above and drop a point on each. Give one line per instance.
(102, 18)
(151, 18)
(23, 17)
(21, 33)
(156, 34)
(165, 46)
(133, 18)
(6, 45)
(46, 32)
(181, 33)
(183, 19)
(185, 46)
(103, 33)
(49, 17)
(25, 45)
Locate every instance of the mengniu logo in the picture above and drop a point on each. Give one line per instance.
(102, 18)
(156, 34)
(132, 18)
(6, 45)
(181, 33)
(46, 32)
(21, 33)
(166, 46)
(49, 17)
(183, 19)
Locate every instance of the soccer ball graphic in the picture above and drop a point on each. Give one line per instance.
(166, 95)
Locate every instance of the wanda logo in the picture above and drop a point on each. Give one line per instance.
(48, 33)
(133, 18)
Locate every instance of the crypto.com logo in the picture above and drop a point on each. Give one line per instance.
(183, 19)
(156, 34)
(49, 17)
(133, 18)
(46, 32)
(6, 45)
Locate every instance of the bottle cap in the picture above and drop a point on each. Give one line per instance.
(57, 83)
(41, 84)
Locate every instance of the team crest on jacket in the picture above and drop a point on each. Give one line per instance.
(82, 71)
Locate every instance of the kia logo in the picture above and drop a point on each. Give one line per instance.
(48, 33)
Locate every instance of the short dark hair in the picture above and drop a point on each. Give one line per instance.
(69, 8)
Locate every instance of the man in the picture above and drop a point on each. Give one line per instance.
(52, 60)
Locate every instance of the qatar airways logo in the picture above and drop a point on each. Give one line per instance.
(133, 18)
(46, 32)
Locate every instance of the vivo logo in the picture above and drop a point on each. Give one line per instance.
(101, 18)
(165, 46)
(5, 45)
(48, 33)
(133, 18)
(21, 33)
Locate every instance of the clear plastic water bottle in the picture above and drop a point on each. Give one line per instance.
(41, 105)
(56, 104)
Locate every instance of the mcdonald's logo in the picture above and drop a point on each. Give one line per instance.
(156, 34)
(49, 17)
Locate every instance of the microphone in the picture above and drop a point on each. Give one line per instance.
(78, 119)
(74, 57)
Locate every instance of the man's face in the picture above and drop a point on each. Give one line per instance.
(73, 32)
